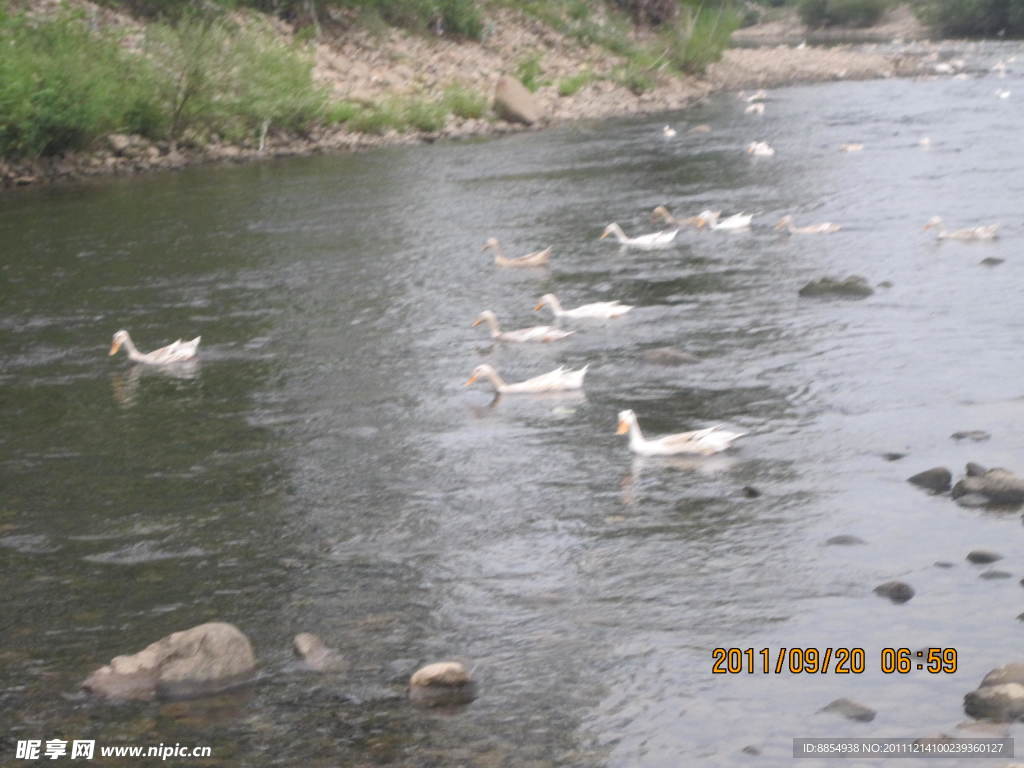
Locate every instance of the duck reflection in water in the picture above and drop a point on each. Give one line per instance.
(704, 465)
(125, 384)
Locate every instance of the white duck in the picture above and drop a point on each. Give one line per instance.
(851, 147)
(734, 223)
(987, 232)
(178, 352)
(599, 309)
(668, 132)
(535, 259)
(559, 380)
(702, 441)
(644, 242)
(534, 333)
(760, 95)
(825, 228)
(661, 213)
(757, 108)
(760, 149)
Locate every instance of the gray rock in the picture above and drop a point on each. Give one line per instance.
(982, 556)
(1008, 673)
(999, 486)
(844, 540)
(441, 684)
(897, 591)
(893, 456)
(750, 749)
(977, 435)
(751, 492)
(936, 479)
(943, 564)
(850, 709)
(991, 261)
(317, 656)
(668, 356)
(199, 661)
(995, 574)
(514, 102)
(972, 501)
(854, 286)
(119, 142)
(974, 469)
(1002, 703)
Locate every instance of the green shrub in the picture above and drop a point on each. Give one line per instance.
(844, 13)
(376, 120)
(62, 86)
(973, 17)
(426, 116)
(571, 85)
(338, 112)
(528, 71)
(699, 37)
(229, 80)
(637, 79)
(464, 103)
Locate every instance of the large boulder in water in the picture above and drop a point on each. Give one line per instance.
(442, 683)
(999, 486)
(936, 479)
(514, 102)
(198, 661)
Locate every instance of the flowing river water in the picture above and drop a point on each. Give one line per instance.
(323, 469)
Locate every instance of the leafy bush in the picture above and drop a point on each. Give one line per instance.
(426, 116)
(229, 80)
(845, 13)
(528, 71)
(465, 103)
(973, 17)
(56, 87)
(700, 36)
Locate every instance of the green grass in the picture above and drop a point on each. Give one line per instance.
(465, 103)
(529, 72)
(570, 85)
(423, 115)
(338, 112)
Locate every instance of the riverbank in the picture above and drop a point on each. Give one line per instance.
(573, 82)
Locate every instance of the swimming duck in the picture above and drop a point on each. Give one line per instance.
(668, 132)
(661, 213)
(734, 223)
(534, 333)
(178, 352)
(988, 232)
(825, 228)
(645, 242)
(851, 147)
(703, 441)
(757, 108)
(559, 380)
(535, 259)
(760, 149)
(599, 309)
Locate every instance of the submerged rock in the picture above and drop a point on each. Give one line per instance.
(751, 492)
(982, 556)
(999, 486)
(199, 661)
(850, 709)
(943, 564)
(995, 574)
(991, 261)
(893, 456)
(317, 656)
(853, 286)
(845, 540)
(936, 479)
(442, 683)
(977, 435)
(668, 356)
(897, 591)
(514, 102)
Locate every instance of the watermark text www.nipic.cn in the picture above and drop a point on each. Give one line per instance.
(85, 749)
